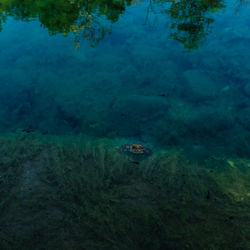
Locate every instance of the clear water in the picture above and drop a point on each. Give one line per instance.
(174, 73)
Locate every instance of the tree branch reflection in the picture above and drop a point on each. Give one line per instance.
(190, 20)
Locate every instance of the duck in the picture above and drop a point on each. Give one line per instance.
(135, 149)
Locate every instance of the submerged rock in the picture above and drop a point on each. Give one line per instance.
(247, 89)
(201, 86)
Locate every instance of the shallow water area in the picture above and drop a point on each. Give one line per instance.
(80, 79)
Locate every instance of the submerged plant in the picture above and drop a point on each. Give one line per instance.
(81, 193)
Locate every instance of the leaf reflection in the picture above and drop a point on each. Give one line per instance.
(190, 19)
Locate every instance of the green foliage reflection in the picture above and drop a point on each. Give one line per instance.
(82, 17)
(190, 19)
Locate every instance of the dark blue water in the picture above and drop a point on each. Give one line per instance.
(172, 73)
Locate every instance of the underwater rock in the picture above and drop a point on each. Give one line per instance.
(133, 115)
(247, 89)
(139, 106)
(200, 85)
(181, 110)
(243, 118)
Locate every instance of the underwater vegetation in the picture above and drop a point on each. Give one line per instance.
(82, 193)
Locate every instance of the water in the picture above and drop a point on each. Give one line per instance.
(171, 75)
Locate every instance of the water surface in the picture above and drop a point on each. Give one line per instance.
(174, 73)
(79, 79)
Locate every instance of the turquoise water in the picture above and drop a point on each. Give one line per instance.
(80, 79)
(172, 73)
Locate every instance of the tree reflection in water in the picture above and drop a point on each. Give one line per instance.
(190, 19)
(87, 19)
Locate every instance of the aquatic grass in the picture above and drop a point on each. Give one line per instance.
(14, 152)
(84, 194)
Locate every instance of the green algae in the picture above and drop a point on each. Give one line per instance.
(81, 193)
